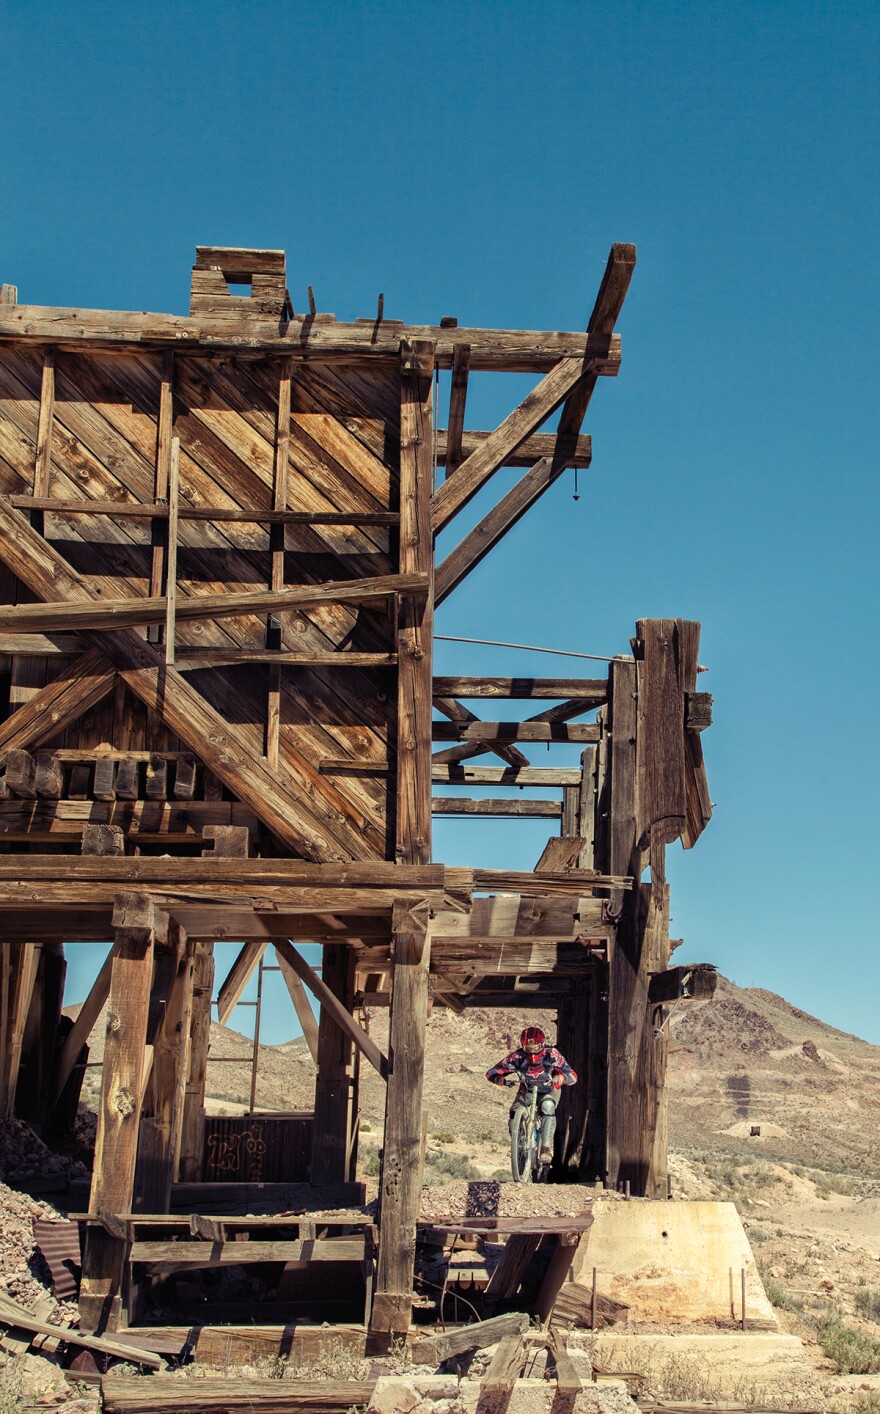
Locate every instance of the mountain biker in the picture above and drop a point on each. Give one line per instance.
(536, 1064)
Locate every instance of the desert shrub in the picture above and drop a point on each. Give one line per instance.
(440, 1166)
(853, 1352)
(868, 1303)
(443, 1136)
(779, 1296)
(369, 1161)
(757, 1234)
(12, 1399)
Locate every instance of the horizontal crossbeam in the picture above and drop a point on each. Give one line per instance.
(503, 732)
(302, 339)
(108, 614)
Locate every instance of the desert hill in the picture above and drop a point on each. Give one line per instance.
(749, 1058)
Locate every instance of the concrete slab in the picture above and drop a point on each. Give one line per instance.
(671, 1262)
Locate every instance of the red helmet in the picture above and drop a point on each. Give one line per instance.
(532, 1040)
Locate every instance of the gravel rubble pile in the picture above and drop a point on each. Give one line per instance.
(23, 1155)
(24, 1275)
(490, 1199)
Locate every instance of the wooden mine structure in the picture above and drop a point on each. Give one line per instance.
(217, 544)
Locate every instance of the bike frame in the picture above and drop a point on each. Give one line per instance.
(536, 1169)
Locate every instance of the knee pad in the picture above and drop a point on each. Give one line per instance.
(548, 1106)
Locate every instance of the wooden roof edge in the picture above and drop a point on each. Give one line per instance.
(511, 350)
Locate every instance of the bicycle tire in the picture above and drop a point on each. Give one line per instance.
(521, 1146)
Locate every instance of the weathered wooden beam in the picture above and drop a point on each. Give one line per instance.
(698, 711)
(511, 350)
(296, 874)
(504, 732)
(695, 983)
(108, 614)
(276, 535)
(192, 1133)
(593, 691)
(530, 451)
(84, 1024)
(12, 1313)
(532, 884)
(661, 809)
(453, 773)
(514, 957)
(121, 1395)
(475, 471)
(54, 820)
(21, 771)
(161, 480)
(553, 918)
(43, 460)
(40, 645)
(178, 1255)
(19, 981)
(400, 1181)
(245, 657)
(171, 551)
(158, 510)
(301, 1006)
(138, 927)
(103, 840)
(496, 809)
(336, 1083)
(343, 1018)
(266, 913)
(237, 978)
(496, 1386)
(433, 1350)
(415, 625)
(456, 712)
(82, 685)
(453, 454)
(171, 1053)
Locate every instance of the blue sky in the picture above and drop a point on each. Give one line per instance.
(478, 160)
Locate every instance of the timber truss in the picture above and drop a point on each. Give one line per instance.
(217, 543)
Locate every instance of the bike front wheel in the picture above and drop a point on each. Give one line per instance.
(520, 1146)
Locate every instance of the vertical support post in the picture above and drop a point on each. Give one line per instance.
(400, 1184)
(171, 570)
(35, 1091)
(138, 926)
(461, 362)
(192, 1139)
(338, 1073)
(159, 532)
(43, 464)
(583, 1016)
(624, 857)
(171, 1051)
(276, 544)
(415, 616)
(20, 972)
(255, 1058)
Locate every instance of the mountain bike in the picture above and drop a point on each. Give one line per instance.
(525, 1138)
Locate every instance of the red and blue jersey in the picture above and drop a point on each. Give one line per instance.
(536, 1069)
